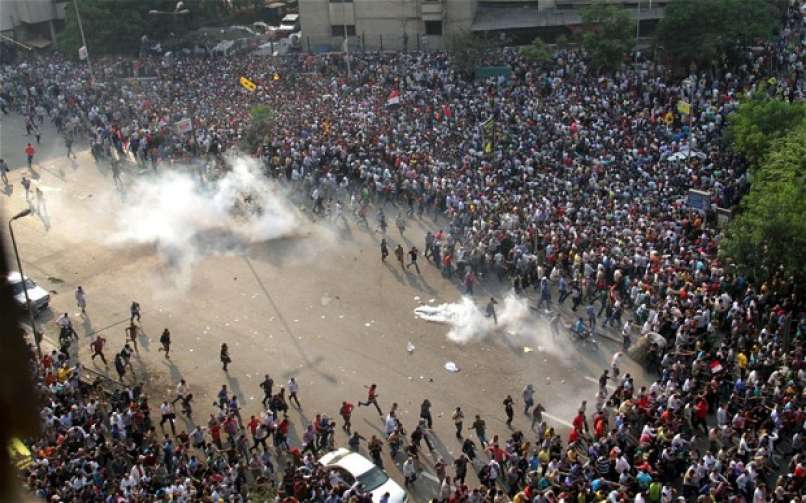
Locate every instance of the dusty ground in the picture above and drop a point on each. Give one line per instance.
(319, 306)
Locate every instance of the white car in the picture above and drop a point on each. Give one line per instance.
(40, 298)
(351, 467)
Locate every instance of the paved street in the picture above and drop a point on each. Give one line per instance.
(318, 305)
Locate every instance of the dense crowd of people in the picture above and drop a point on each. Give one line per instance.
(579, 191)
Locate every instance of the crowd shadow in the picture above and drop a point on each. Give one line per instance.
(86, 325)
(175, 373)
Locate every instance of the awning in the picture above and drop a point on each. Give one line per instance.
(38, 43)
(506, 18)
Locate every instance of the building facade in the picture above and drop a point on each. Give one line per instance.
(399, 24)
(32, 22)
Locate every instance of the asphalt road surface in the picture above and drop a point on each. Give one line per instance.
(318, 305)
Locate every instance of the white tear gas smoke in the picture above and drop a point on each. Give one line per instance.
(187, 220)
(516, 323)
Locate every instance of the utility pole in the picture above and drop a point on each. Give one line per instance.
(346, 47)
(83, 40)
(37, 335)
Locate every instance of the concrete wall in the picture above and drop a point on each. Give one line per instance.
(314, 16)
(24, 17)
(389, 23)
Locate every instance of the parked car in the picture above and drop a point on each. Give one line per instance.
(40, 298)
(351, 467)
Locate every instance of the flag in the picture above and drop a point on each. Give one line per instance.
(446, 111)
(82, 52)
(248, 84)
(394, 99)
(683, 107)
(716, 366)
(487, 134)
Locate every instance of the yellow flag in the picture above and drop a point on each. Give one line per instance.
(683, 107)
(248, 84)
(669, 118)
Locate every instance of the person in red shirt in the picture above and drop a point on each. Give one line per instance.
(701, 414)
(573, 436)
(29, 152)
(579, 422)
(215, 434)
(599, 426)
(281, 434)
(252, 425)
(372, 398)
(98, 349)
(346, 412)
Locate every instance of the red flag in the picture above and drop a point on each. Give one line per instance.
(393, 99)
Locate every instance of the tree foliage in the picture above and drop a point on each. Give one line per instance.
(768, 237)
(110, 26)
(759, 122)
(710, 31)
(260, 127)
(466, 51)
(537, 51)
(608, 35)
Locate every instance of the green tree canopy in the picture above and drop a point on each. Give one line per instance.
(768, 237)
(260, 127)
(609, 34)
(708, 31)
(759, 122)
(466, 51)
(537, 51)
(110, 26)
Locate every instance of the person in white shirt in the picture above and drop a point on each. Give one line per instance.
(293, 391)
(181, 391)
(409, 471)
(622, 465)
(168, 415)
(81, 300)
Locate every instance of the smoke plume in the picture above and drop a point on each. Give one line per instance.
(187, 220)
(517, 325)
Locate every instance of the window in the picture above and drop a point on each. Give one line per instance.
(433, 27)
(337, 30)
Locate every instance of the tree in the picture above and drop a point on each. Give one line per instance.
(537, 51)
(466, 51)
(110, 26)
(768, 237)
(609, 34)
(710, 31)
(759, 122)
(260, 127)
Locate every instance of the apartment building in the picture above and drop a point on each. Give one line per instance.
(398, 24)
(32, 22)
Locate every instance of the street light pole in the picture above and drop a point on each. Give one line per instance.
(37, 335)
(83, 40)
(347, 39)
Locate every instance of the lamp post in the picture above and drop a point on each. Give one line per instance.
(83, 40)
(37, 335)
(689, 84)
(346, 48)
